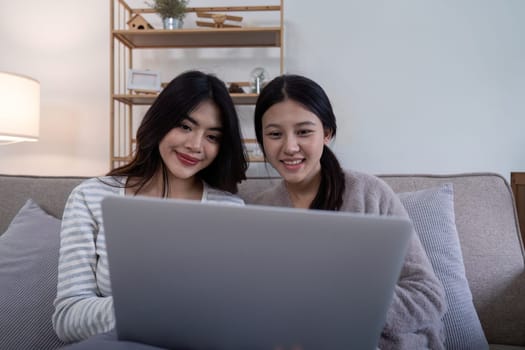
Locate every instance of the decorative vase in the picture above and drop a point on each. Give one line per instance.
(172, 23)
(258, 77)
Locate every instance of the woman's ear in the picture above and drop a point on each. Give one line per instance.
(327, 136)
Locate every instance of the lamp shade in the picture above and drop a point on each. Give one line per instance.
(19, 108)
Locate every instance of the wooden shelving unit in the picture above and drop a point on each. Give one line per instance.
(517, 182)
(147, 99)
(124, 41)
(200, 38)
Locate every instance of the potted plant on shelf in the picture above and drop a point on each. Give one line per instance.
(172, 12)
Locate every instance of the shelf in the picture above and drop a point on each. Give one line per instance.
(200, 37)
(265, 33)
(147, 99)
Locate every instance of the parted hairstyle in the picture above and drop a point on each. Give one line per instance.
(179, 98)
(312, 96)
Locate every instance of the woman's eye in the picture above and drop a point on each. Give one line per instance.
(185, 127)
(305, 132)
(273, 134)
(214, 138)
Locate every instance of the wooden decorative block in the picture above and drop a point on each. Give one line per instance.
(218, 20)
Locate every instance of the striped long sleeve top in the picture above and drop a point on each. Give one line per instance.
(83, 305)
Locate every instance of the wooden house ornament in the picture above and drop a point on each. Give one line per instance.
(139, 22)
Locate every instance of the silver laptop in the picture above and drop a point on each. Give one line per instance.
(189, 275)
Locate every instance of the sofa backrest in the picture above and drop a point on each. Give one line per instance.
(50, 192)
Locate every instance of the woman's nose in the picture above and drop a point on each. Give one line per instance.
(291, 145)
(194, 142)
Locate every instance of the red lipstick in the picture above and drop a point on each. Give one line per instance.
(187, 159)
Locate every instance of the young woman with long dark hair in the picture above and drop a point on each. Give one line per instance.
(188, 146)
(294, 124)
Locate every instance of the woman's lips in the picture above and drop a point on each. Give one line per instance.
(292, 164)
(187, 159)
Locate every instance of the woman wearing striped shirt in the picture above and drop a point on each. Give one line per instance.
(188, 146)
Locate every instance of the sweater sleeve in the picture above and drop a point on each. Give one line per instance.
(414, 320)
(80, 309)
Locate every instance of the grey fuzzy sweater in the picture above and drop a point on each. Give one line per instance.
(414, 320)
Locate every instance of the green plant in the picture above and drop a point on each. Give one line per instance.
(169, 8)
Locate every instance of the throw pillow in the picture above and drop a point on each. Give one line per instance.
(28, 280)
(432, 214)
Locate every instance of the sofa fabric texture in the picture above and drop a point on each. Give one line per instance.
(485, 219)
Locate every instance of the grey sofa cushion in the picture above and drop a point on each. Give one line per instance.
(28, 280)
(432, 213)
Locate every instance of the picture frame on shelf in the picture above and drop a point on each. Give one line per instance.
(255, 154)
(143, 80)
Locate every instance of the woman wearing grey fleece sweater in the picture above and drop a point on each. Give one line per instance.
(294, 122)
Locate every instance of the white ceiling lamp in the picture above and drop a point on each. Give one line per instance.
(19, 108)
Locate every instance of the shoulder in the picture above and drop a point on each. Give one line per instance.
(85, 199)
(218, 196)
(93, 189)
(370, 183)
(368, 193)
(101, 183)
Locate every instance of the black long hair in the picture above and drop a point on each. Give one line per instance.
(182, 95)
(312, 96)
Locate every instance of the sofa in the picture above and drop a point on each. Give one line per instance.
(481, 218)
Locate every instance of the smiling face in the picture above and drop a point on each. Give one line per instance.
(293, 141)
(194, 143)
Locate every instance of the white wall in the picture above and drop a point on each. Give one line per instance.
(65, 45)
(434, 86)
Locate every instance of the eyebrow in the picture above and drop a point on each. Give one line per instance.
(193, 121)
(307, 123)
